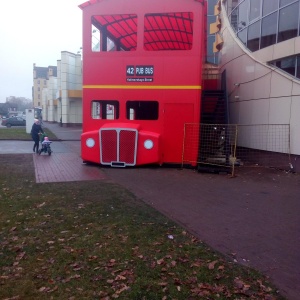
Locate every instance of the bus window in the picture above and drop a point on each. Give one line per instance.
(95, 39)
(142, 110)
(168, 31)
(105, 109)
(114, 33)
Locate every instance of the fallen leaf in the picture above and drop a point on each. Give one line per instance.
(211, 265)
(163, 283)
(238, 283)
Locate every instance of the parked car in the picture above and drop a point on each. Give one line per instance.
(13, 121)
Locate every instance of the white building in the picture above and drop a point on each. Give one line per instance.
(260, 51)
(62, 99)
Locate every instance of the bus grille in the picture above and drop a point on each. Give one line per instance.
(118, 147)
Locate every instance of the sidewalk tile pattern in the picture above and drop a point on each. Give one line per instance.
(62, 167)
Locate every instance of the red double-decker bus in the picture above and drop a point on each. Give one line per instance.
(142, 75)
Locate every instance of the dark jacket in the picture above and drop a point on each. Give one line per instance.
(36, 128)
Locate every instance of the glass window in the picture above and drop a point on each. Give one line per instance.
(268, 30)
(242, 35)
(142, 110)
(255, 8)
(168, 31)
(105, 109)
(210, 45)
(243, 14)
(298, 67)
(287, 64)
(95, 39)
(114, 33)
(269, 6)
(234, 19)
(235, 3)
(253, 36)
(285, 2)
(288, 22)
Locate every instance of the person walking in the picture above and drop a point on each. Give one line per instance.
(35, 130)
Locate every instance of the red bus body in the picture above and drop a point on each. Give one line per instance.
(142, 77)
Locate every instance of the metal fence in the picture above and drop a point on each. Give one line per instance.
(232, 145)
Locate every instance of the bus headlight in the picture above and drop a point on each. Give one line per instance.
(148, 144)
(90, 142)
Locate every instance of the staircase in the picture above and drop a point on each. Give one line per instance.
(214, 108)
(214, 138)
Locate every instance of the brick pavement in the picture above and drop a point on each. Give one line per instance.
(62, 167)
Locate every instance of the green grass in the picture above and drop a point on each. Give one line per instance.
(95, 240)
(19, 133)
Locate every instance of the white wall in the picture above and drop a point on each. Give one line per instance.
(70, 79)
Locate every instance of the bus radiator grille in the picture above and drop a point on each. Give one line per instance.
(118, 147)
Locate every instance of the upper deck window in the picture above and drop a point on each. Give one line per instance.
(168, 31)
(114, 33)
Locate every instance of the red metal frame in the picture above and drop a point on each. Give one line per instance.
(148, 81)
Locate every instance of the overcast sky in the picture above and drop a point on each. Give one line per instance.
(35, 31)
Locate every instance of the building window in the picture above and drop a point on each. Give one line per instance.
(298, 67)
(253, 36)
(242, 35)
(268, 30)
(288, 22)
(255, 9)
(288, 65)
(279, 21)
(285, 2)
(243, 14)
(105, 109)
(168, 31)
(269, 6)
(114, 33)
(142, 110)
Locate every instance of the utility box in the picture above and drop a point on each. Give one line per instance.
(29, 119)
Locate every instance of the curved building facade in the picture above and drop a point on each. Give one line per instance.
(261, 56)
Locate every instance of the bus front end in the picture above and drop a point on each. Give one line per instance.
(121, 145)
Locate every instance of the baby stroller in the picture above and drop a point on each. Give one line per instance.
(45, 145)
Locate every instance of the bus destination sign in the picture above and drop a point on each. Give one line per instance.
(139, 73)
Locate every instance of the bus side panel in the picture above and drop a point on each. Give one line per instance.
(175, 116)
(147, 155)
(90, 153)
